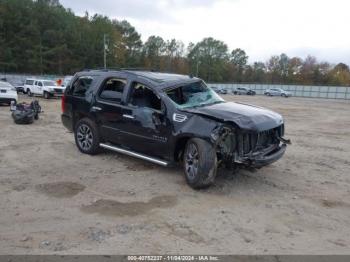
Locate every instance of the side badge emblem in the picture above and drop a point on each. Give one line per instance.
(179, 118)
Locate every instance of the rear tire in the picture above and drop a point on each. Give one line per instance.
(87, 137)
(200, 163)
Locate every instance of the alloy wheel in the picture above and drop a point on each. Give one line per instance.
(84, 137)
(191, 161)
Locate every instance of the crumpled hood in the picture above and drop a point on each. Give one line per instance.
(245, 116)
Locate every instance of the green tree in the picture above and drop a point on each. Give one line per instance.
(340, 75)
(211, 57)
(129, 47)
(153, 50)
(239, 60)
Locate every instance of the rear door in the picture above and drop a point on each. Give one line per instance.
(108, 107)
(78, 97)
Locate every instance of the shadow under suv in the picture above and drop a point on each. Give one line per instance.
(169, 118)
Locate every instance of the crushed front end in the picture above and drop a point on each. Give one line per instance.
(247, 148)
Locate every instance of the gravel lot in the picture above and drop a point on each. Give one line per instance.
(55, 200)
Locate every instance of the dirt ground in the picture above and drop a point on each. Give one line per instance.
(55, 200)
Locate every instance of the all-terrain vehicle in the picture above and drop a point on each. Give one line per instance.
(169, 118)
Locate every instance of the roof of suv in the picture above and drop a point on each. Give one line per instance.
(158, 79)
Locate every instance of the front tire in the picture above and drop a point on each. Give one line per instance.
(86, 136)
(200, 163)
(46, 95)
(29, 93)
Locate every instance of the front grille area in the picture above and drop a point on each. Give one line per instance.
(250, 142)
(59, 91)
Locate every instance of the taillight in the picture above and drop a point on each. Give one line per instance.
(63, 101)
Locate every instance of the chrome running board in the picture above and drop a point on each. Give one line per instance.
(137, 155)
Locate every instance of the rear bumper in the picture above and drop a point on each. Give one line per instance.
(7, 99)
(265, 158)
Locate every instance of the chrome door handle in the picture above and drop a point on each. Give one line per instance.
(96, 108)
(128, 116)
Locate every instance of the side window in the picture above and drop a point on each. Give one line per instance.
(81, 85)
(40, 84)
(112, 89)
(142, 96)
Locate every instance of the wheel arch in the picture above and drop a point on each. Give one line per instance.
(180, 145)
(77, 116)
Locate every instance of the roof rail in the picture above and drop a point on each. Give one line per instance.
(103, 69)
(139, 69)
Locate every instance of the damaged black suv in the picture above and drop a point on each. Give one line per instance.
(168, 118)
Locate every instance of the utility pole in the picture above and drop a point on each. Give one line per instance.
(105, 50)
(198, 63)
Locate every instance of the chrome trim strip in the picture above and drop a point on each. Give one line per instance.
(128, 116)
(137, 155)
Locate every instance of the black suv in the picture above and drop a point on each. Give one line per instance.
(168, 118)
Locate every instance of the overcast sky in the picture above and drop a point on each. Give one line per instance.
(261, 27)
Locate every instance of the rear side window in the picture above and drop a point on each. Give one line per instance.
(112, 89)
(29, 82)
(81, 85)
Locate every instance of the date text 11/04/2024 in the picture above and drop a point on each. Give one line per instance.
(173, 258)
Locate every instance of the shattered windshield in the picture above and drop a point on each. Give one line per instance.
(193, 95)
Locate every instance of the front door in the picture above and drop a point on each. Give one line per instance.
(34, 87)
(145, 127)
(38, 89)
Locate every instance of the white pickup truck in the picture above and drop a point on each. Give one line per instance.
(41, 87)
(7, 93)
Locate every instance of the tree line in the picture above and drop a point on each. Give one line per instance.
(43, 37)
